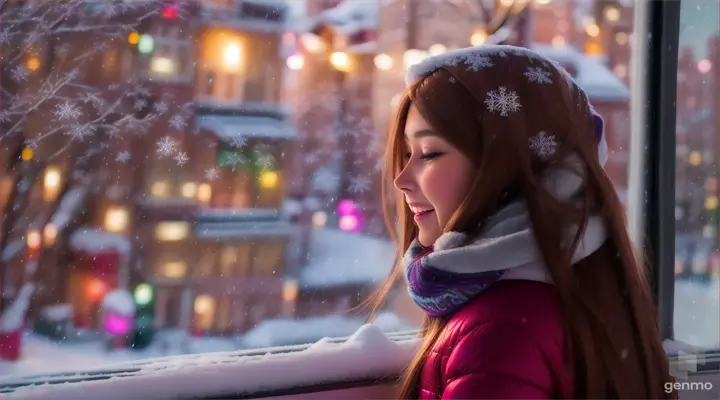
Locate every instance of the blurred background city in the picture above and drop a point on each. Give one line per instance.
(190, 176)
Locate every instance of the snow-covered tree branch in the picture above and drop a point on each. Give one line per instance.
(490, 15)
(56, 100)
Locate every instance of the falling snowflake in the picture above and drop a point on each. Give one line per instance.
(19, 74)
(476, 61)
(67, 110)
(503, 101)
(212, 173)
(113, 87)
(178, 122)
(4, 116)
(80, 132)
(161, 107)
(543, 144)
(238, 141)
(181, 158)
(123, 157)
(453, 79)
(538, 75)
(359, 184)
(166, 146)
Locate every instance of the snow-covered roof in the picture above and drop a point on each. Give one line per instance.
(338, 257)
(94, 240)
(592, 75)
(236, 230)
(287, 331)
(351, 16)
(232, 127)
(368, 354)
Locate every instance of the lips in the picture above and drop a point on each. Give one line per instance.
(419, 209)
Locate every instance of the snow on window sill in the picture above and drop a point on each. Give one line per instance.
(368, 354)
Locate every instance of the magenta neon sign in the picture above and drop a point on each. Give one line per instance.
(350, 216)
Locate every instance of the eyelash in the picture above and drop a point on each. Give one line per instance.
(426, 156)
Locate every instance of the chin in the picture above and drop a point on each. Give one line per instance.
(427, 240)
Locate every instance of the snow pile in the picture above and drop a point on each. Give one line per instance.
(592, 75)
(57, 313)
(350, 17)
(287, 331)
(14, 316)
(120, 302)
(368, 354)
(339, 258)
(95, 241)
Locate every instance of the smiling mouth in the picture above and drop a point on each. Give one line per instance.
(422, 213)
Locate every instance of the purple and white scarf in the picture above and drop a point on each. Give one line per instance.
(442, 278)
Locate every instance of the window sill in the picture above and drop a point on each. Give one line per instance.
(368, 358)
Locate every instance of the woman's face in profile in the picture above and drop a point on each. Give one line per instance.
(435, 178)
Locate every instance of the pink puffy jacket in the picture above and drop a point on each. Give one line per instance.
(508, 342)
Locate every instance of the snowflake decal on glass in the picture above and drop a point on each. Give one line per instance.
(538, 75)
(67, 111)
(238, 141)
(181, 158)
(265, 161)
(212, 173)
(502, 101)
(177, 122)
(123, 157)
(476, 61)
(359, 184)
(80, 132)
(166, 146)
(543, 144)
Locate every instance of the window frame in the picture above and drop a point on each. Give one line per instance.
(654, 158)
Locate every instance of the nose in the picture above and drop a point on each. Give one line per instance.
(404, 181)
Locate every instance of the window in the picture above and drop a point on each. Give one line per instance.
(249, 177)
(223, 66)
(269, 257)
(168, 54)
(697, 212)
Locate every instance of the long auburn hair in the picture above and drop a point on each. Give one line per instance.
(613, 345)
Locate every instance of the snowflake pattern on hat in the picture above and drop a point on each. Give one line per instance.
(538, 75)
(543, 144)
(503, 101)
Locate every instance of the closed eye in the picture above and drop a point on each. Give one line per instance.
(430, 156)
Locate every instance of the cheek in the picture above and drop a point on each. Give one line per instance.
(444, 190)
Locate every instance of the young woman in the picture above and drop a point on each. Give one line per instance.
(512, 238)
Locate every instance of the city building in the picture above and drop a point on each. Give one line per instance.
(191, 202)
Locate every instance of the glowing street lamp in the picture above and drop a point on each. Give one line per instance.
(340, 60)
(383, 62)
(51, 183)
(295, 62)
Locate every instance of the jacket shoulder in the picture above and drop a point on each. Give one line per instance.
(516, 329)
(531, 306)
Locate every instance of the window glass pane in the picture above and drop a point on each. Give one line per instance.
(697, 215)
(250, 190)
